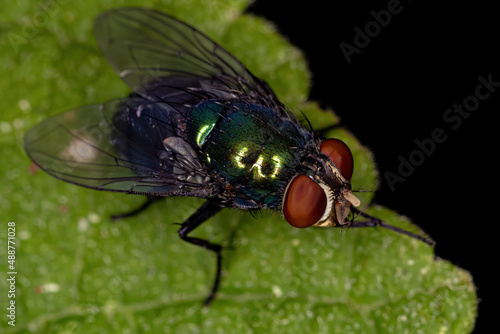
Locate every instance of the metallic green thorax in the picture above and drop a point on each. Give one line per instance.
(248, 144)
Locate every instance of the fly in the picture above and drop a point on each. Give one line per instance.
(198, 123)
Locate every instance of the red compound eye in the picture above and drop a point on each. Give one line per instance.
(304, 202)
(340, 155)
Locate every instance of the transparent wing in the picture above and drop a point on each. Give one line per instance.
(129, 145)
(145, 47)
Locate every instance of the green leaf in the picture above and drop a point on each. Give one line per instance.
(78, 272)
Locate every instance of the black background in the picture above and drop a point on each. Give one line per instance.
(396, 91)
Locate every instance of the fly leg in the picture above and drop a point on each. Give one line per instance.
(150, 200)
(207, 210)
(374, 222)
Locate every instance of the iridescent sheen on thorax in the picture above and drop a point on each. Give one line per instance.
(249, 145)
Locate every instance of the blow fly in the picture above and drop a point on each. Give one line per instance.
(198, 123)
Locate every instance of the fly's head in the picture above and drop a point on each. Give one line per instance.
(320, 193)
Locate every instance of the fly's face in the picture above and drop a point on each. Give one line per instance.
(320, 193)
